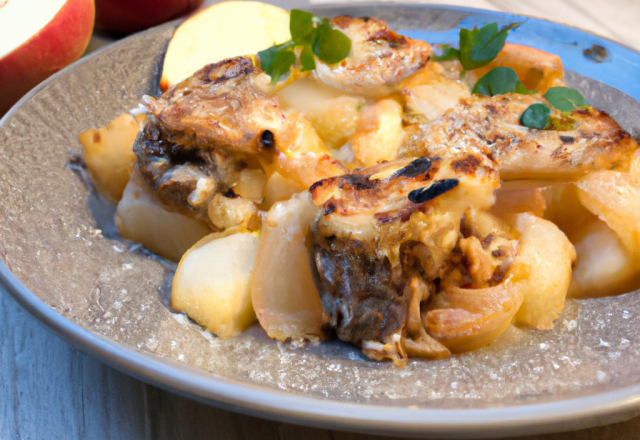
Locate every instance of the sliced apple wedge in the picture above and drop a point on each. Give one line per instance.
(549, 255)
(224, 30)
(211, 283)
(141, 218)
(284, 295)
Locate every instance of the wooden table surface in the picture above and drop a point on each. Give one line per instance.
(50, 390)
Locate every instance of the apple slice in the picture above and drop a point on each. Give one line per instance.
(284, 295)
(38, 38)
(211, 283)
(222, 31)
(141, 218)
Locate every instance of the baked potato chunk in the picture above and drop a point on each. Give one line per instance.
(109, 155)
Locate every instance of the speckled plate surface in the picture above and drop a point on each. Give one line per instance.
(65, 264)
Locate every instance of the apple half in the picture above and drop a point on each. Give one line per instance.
(221, 31)
(38, 38)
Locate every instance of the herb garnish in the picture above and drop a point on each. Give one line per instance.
(562, 98)
(312, 36)
(448, 53)
(536, 116)
(499, 81)
(565, 99)
(478, 47)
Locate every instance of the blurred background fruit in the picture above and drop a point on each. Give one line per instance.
(38, 38)
(135, 15)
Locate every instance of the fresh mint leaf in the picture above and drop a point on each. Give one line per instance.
(499, 81)
(331, 45)
(478, 47)
(565, 99)
(448, 53)
(282, 63)
(301, 27)
(267, 57)
(307, 60)
(311, 35)
(536, 116)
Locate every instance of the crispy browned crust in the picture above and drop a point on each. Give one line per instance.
(222, 105)
(492, 123)
(379, 57)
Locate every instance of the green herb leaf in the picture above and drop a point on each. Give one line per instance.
(331, 45)
(536, 116)
(313, 35)
(306, 59)
(448, 53)
(303, 32)
(478, 47)
(499, 81)
(565, 99)
(282, 64)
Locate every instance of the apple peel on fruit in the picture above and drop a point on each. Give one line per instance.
(38, 38)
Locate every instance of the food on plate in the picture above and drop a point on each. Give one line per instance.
(378, 60)
(211, 283)
(378, 133)
(135, 15)
(283, 292)
(353, 184)
(38, 38)
(108, 153)
(142, 218)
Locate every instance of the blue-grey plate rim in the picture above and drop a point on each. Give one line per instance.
(563, 415)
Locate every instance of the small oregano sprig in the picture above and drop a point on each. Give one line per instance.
(478, 47)
(310, 34)
(538, 115)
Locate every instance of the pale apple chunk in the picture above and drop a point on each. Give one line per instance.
(284, 295)
(615, 198)
(221, 31)
(278, 189)
(141, 218)
(604, 266)
(333, 114)
(549, 255)
(565, 210)
(428, 93)
(108, 153)
(378, 133)
(519, 201)
(211, 283)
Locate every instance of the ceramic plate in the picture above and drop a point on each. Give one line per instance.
(64, 262)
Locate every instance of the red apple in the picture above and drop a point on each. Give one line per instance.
(134, 15)
(38, 38)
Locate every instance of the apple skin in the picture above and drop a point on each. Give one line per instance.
(59, 43)
(134, 15)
